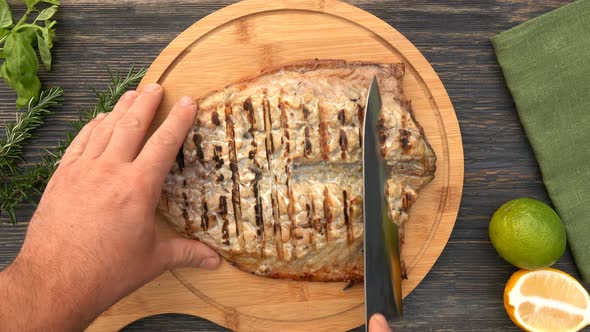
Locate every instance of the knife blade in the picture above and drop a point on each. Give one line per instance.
(381, 242)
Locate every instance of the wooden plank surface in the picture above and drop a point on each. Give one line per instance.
(463, 292)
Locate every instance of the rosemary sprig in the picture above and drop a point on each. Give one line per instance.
(20, 130)
(27, 184)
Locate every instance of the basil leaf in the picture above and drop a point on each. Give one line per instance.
(49, 35)
(20, 68)
(47, 13)
(5, 15)
(44, 51)
(28, 32)
(53, 2)
(3, 32)
(2, 55)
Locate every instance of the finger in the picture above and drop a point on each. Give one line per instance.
(130, 130)
(190, 253)
(161, 149)
(78, 145)
(101, 135)
(378, 323)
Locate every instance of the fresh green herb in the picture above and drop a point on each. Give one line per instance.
(25, 185)
(20, 130)
(20, 67)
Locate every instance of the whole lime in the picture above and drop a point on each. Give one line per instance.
(528, 233)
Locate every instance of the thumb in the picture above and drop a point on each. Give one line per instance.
(377, 323)
(191, 253)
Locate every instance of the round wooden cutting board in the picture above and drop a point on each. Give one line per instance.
(240, 41)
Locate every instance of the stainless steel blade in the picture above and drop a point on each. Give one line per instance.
(381, 247)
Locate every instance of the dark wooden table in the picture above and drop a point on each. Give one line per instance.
(463, 292)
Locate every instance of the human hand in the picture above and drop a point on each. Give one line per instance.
(378, 323)
(92, 239)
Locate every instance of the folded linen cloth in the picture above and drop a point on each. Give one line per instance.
(546, 64)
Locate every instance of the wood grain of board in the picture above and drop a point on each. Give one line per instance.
(240, 41)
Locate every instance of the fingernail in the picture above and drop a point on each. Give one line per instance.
(186, 101)
(378, 323)
(210, 262)
(152, 87)
(130, 95)
(101, 116)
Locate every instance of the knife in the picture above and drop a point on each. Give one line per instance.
(381, 246)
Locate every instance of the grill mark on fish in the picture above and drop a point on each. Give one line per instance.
(342, 117)
(285, 125)
(255, 168)
(308, 148)
(235, 175)
(305, 111)
(187, 225)
(270, 149)
(343, 141)
(309, 216)
(270, 144)
(405, 140)
(205, 216)
(249, 108)
(267, 131)
(215, 118)
(180, 159)
(361, 118)
(223, 214)
(185, 215)
(324, 148)
(328, 215)
(307, 143)
(220, 178)
(347, 223)
(258, 206)
(216, 157)
(312, 221)
(276, 222)
(198, 139)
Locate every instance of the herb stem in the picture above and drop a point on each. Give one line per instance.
(25, 26)
(24, 185)
(19, 131)
(24, 18)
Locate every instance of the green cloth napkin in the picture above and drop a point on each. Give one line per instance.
(546, 64)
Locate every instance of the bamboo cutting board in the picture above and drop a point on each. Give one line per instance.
(240, 41)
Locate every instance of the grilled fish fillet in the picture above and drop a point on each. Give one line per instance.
(270, 173)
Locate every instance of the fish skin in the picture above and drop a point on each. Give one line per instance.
(270, 174)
